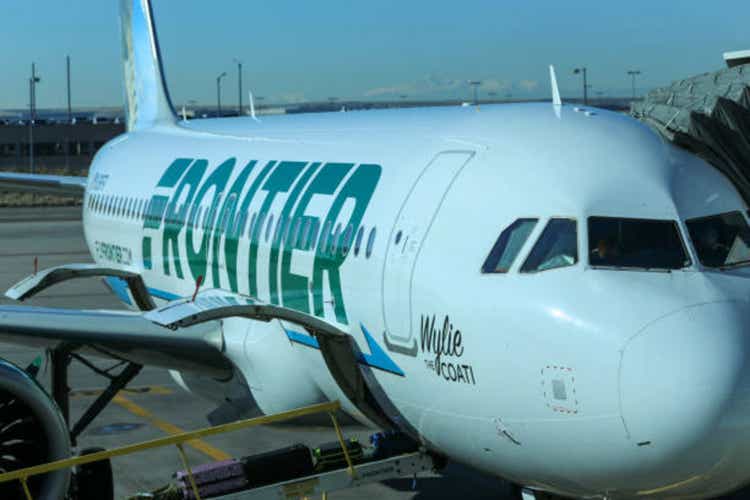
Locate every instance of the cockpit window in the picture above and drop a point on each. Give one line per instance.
(556, 247)
(507, 246)
(636, 243)
(721, 240)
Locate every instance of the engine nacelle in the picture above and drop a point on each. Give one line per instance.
(267, 371)
(32, 432)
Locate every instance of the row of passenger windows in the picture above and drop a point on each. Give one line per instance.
(303, 233)
(720, 241)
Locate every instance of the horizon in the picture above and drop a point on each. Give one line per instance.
(425, 50)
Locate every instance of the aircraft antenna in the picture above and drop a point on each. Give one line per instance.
(252, 105)
(556, 100)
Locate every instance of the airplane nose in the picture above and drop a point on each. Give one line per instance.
(679, 374)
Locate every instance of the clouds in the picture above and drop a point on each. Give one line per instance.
(528, 85)
(439, 87)
(428, 86)
(290, 98)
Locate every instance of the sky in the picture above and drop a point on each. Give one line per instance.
(312, 50)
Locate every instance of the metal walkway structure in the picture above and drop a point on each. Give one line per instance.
(708, 115)
(349, 475)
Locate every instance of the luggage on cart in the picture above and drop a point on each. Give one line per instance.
(278, 465)
(216, 478)
(330, 456)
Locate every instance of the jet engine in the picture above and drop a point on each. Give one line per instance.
(32, 432)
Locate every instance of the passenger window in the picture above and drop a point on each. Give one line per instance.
(325, 237)
(347, 242)
(304, 244)
(294, 234)
(269, 225)
(239, 226)
(336, 239)
(252, 224)
(507, 246)
(636, 243)
(370, 243)
(315, 227)
(206, 222)
(228, 212)
(280, 233)
(556, 247)
(236, 223)
(358, 240)
(721, 240)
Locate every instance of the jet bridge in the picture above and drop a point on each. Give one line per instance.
(708, 115)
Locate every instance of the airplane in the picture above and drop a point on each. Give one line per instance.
(551, 294)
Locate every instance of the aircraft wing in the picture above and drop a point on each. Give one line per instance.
(118, 335)
(46, 184)
(186, 334)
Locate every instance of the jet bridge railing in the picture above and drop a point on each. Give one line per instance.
(178, 440)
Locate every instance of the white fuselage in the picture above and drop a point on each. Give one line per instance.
(578, 380)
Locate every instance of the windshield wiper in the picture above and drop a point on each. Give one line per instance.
(733, 265)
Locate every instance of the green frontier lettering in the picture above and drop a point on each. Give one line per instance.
(280, 180)
(295, 286)
(224, 218)
(174, 221)
(198, 259)
(230, 225)
(360, 187)
(158, 204)
(280, 240)
(230, 246)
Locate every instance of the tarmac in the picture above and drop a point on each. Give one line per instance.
(153, 405)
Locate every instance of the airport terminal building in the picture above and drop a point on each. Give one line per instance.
(57, 146)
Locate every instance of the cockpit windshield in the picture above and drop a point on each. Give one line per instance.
(636, 243)
(721, 240)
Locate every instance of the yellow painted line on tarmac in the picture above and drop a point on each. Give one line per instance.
(198, 444)
(154, 390)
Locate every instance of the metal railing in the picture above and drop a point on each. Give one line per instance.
(23, 475)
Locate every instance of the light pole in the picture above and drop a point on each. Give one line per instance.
(633, 73)
(585, 84)
(218, 92)
(67, 74)
(32, 113)
(475, 84)
(239, 86)
(70, 114)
